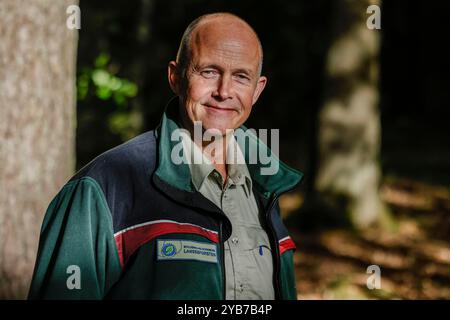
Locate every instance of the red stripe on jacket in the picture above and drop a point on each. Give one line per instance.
(286, 244)
(130, 240)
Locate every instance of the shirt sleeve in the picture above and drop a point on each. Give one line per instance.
(77, 256)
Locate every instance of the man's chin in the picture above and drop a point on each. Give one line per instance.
(218, 129)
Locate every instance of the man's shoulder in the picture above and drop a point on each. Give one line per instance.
(137, 156)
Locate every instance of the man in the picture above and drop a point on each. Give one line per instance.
(137, 223)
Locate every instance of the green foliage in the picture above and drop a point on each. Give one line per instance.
(100, 82)
(105, 83)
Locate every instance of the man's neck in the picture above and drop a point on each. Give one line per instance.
(219, 157)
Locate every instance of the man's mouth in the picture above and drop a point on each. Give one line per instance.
(215, 108)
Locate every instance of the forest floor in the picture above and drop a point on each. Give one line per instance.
(414, 257)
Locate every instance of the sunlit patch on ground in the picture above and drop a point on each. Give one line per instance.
(414, 259)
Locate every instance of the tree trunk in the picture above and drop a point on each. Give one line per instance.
(37, 126)
(348, 173)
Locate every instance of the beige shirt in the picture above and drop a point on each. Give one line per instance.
(248, 257)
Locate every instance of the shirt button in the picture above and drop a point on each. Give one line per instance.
(235, 240)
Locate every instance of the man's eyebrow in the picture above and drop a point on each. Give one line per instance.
(209, 65)
(244, 70)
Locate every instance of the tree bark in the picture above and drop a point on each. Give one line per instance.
(37, 127)
(348, 174)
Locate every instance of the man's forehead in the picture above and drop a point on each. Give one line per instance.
(235, 41)
(226, 28)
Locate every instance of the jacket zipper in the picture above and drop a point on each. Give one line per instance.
(222, 261)
(276, 255)
(276, 248)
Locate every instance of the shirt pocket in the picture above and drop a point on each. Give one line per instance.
(260, 253)
(253, 240)
(260, 250)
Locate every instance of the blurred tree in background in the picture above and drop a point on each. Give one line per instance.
(349, 175)
(37, 128)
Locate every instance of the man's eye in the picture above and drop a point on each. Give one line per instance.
(242, 77)
(209, 73)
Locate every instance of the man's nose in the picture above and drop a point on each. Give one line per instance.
(224, 87)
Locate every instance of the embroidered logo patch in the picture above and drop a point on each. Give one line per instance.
(177, 249)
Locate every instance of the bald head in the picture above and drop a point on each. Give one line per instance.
(224, 27)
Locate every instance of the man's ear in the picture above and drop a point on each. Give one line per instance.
(260, 85)
(173, 77)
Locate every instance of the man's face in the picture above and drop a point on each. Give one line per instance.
(222, 80)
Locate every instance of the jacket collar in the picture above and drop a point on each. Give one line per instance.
(178, 175)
